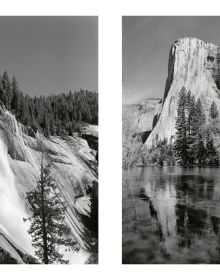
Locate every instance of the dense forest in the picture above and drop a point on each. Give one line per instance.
(194, 143)
(196, 136)
(52, 115)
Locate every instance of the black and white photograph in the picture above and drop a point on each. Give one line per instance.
(171, 140)
(49, 140)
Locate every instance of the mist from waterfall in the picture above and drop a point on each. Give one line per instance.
(12, 208)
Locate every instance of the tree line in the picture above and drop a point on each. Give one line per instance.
(51, 115)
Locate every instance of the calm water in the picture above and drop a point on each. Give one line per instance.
(171, 215)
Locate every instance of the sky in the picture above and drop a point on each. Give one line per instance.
(146, 42)
(50, 54)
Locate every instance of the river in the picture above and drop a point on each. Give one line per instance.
(171, 215)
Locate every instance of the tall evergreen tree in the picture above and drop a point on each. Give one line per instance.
(180, 145)
(7, 94)
(200, 133)
(191, 129)
(15, 103)
(191, 119)
(47, 223)
(213, 112)
(212, 153)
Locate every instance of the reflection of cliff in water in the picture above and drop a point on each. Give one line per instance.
(162, 209)
(176, 209)
(176, 215)
(195, 218)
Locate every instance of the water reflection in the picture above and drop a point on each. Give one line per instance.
(171, 215)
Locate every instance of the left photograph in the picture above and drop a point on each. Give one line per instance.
(49, 140)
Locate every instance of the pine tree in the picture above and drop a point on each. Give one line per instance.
(180, 145)
(200, 139)
(46, 125)
(25, 113)
(15, 103)
(213, 112)
(52, 126)
(47, 224)
(191, 130)
(190, 124)
(212, 153)
(7, 93)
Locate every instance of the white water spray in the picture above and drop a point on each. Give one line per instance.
(12, 208)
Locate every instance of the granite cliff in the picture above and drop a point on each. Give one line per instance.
(138, 122)
(74, 167)
(194, 64)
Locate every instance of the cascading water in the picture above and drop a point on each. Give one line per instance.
(12, 208)
(17, 130)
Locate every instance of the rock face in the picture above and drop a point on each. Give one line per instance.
(12, 253)
(138, 121)
(194, 64)
(73, 166)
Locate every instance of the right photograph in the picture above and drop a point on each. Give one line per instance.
(171, 140)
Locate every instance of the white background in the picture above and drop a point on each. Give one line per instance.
(110, 100)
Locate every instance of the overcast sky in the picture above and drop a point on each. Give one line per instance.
(50, 54)
(146, 45)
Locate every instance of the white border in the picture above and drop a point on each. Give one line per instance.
(110, 90)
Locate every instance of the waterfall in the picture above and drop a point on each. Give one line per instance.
(14, 125)
(16, 128)
(12, 208)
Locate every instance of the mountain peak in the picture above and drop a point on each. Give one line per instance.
(194, 64)
(192, 40)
